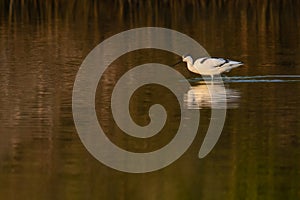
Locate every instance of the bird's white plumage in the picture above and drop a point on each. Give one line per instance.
(210, 66)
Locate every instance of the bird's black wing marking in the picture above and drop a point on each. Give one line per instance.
(225, 61)
(220, 65)
(204, 59)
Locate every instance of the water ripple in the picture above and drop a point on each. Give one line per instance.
(252, 79)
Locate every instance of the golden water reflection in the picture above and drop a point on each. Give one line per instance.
(214, 96)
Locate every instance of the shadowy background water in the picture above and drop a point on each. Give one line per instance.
(43, 43)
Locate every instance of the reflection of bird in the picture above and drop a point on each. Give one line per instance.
(209, 65)
(211, 96)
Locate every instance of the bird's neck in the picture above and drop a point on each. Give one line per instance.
(191, 67)
(189, 63)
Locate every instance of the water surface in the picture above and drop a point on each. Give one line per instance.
(257, 155)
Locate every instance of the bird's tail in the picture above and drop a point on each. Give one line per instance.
(229, 66)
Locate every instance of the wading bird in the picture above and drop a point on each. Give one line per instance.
(209, 65)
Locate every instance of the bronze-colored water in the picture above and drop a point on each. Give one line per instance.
(42, 46)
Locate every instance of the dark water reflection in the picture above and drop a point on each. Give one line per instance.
(257, 155)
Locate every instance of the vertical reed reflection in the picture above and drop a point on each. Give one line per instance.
(42, 44)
